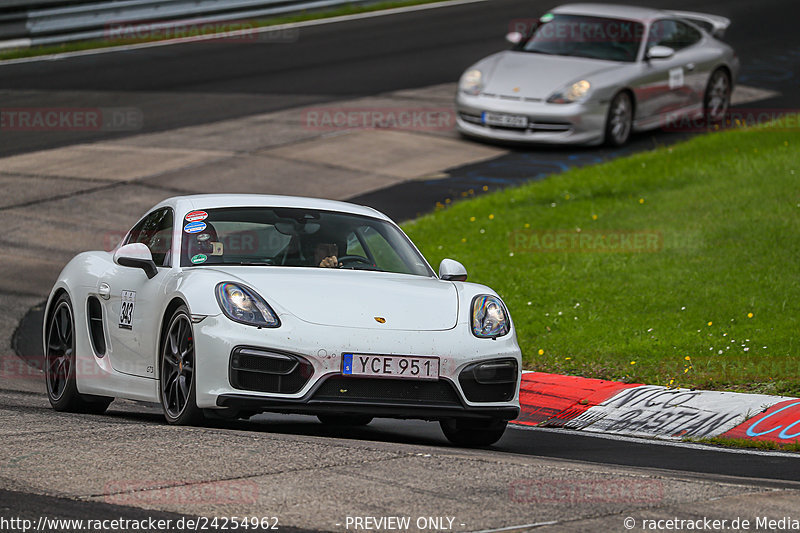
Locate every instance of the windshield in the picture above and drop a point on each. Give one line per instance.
(289, 237)
(582, 36)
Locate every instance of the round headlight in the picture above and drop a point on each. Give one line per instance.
(573, 93)
(471, 82)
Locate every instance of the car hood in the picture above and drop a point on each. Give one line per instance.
(352, 298)
(538, 76)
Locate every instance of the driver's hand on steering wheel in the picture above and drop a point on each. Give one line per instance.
(329, 262)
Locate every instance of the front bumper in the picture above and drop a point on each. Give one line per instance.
(323, 388)
(579, 123)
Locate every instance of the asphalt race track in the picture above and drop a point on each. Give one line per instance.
(388, 463)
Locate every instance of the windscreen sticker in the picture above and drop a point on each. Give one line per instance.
(127, 301)
(676, 78)
(196, 216)
(199, 258)
(194, 227)
(216, 248)
(547, 17)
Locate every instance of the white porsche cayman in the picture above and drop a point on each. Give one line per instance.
(240, 304)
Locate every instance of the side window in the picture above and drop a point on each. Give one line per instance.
(672, 33)
(354, 246)
(155, 232)
(385, 256)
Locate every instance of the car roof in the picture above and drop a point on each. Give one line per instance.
(184, 204)
(641, 14)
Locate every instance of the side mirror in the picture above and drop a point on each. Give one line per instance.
(660, 52)
(450, 270)
(136, 255)
(514, 37)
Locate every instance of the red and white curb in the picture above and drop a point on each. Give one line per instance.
(594, 405)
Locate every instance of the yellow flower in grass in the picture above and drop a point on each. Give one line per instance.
(472, 219)
(710, 323)
(491, 217)
(749, 315)
(541, 352)
(633, 362)
(527, 225)
(485, 187)
(594, 217)
(641, 200)
(688, 358)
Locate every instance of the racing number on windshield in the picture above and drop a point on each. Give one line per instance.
(128, 300)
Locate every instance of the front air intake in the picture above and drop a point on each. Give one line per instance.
(261, 370)
(490, 381)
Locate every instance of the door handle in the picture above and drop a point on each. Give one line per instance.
(690, 67)
(104, 291)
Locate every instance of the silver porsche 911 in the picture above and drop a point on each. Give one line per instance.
(594, 73)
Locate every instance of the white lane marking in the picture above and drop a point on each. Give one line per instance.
(228, 35)
(744, 94)
(523, 526)
(659, 442)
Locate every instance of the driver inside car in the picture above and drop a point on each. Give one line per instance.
(321, 250)
(325, 255)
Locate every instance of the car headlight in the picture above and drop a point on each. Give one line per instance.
(573, 93)
(471, 82)
(489, 317)
(244, 305)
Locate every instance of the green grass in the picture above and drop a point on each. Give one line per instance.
(748, 443)
(347, 9)
(726, 208)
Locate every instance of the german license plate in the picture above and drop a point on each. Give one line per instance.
(501, 119)
(390, 366)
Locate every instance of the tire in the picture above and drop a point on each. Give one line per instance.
(717, 98)
(345, 420)
(177, 376)
(472, 433)
(619, 121)
(59, 364)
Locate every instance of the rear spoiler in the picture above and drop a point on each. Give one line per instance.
(713, 24)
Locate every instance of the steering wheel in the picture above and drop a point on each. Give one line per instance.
(355, 259)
